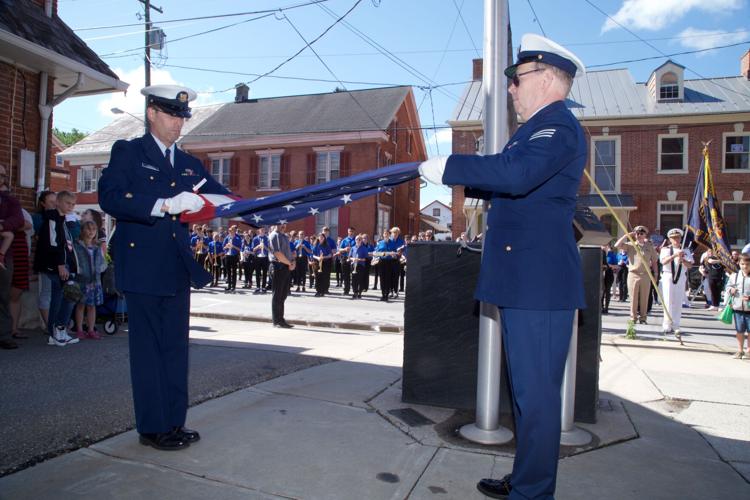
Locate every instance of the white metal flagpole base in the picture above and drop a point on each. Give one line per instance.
(473, 433)
(575, 437)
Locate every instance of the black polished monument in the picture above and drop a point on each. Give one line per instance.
(441, 327)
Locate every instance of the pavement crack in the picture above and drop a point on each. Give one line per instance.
(195, 475)
(419, 478)
(718, 455)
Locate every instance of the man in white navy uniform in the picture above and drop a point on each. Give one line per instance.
(531, 268)
(146, 186)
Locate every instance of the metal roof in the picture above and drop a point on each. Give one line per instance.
(128, 127)
(348, 111)
(614, 94)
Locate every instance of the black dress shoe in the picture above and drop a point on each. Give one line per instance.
(167, 441)
(495, 488)
(8, 344)
(284, 324)
(188, 435)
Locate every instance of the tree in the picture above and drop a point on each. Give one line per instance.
(69, 138)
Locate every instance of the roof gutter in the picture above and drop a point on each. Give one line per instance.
(45, 111)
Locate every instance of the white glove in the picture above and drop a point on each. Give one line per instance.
(185, 201)
(432, 169)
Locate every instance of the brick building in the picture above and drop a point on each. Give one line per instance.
(258, 147)
(645, 142)
(40, 55)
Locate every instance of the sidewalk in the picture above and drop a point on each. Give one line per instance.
(673, 425)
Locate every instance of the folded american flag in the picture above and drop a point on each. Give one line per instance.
(304, 202)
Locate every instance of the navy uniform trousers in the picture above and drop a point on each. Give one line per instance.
(535, 344)
(158, 337)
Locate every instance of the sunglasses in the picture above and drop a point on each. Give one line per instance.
(516, 79)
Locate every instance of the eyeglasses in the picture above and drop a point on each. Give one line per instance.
(516, 79)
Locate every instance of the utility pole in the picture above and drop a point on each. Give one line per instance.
(147, 46)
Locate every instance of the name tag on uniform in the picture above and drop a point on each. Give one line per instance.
(150, 167)
(188, 172)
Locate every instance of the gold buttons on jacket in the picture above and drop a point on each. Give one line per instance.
(173, 184)
(174, 235)
(151, 177)
(508, 248)
(174, 217)
(128, 195)
(132, 245)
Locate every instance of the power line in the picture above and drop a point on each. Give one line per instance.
(659, 51)
(395, 59)
(300, 50)
(328, 67)
(127, 52)
(460, 15)
(216, 16)
(668, 55)
(536, 18)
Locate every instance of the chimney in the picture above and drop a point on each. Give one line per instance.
(745, 65)
(242, 92)
(477, 69)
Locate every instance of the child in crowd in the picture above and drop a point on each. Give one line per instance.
(738, 292)
(91, 265)
(56, 258)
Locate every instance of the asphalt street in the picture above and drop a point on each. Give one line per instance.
(57, 399)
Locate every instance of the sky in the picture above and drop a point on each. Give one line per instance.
(428, 44)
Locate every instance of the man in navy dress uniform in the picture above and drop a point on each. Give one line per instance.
(531, 268)
(146, 186)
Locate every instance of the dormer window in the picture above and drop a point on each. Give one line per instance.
(669, 87)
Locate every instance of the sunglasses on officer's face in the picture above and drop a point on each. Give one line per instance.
(516, 79)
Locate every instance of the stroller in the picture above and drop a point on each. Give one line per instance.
(113, 312)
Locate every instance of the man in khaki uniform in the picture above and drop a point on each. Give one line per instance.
(639, 284)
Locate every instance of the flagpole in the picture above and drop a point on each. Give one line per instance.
(487, 428)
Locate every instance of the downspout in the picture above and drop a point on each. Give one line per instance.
(45, 111)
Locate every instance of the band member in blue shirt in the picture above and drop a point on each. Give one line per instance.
(346, 268)
(386, 253)
(322, 252)
(302, 252)
(358, 258)
(260, 248)
(232, 248)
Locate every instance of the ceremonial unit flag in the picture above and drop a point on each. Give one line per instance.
(299, 203)
(705, 224)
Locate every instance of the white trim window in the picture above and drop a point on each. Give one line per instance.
(88, 179)
(669, 86)
(736, 152)
(327, 166)
(221, 168)
(269, 170)
(606, 163)
(737, 220)
(670, 214)
(672, 156)
(384, 220)
(328, 218)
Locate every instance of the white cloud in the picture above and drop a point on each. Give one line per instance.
(133, 102)
(699, 39)
(444, 140)
(656, 14)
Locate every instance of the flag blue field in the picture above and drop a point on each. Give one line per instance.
(306, 201)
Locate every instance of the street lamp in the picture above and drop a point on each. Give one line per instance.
(119, 111)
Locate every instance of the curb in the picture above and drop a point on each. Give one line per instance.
(398, 330)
